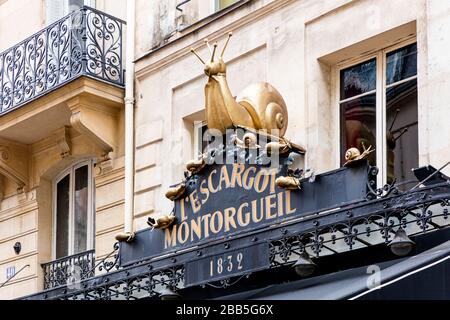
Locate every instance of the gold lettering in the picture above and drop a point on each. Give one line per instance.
(205, 218)
(212, 222)
(183, 213)
(210, 185)
(273, 177)
(224, 178)
(195, 203)
(170, 237)
(280, 204)
(261, 173)
(229, 218)
(236, 175)
(247, 182)
(255, 217)
(183, 232)
(288, 203)
(204, 190)
(196, 227)
(241, 221)
(269, 206)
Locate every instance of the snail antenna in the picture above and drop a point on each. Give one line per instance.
(196, 54)
(213, 52)
(226, 43)
(208, 45)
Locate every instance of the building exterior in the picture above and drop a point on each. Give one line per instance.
(352, 73)
(53, 81)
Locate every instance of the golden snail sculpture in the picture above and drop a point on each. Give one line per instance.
(249, 141)
(196, 165)
(162, 222)
(175, 193)
(260, 106)
(353, 155)
(288, 182)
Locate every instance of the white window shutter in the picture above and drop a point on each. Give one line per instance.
(55, 9)
(90, 3)
(75, 5)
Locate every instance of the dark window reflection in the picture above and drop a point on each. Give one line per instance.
(62, 217)
(358, 123)
(401, 64)
(81, 209)
(402, 135)
(358, 79)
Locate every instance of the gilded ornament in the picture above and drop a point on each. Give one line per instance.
(162, 222)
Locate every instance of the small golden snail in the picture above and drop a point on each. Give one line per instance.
(353, 154)
(289, 183)
(196, 165)
(260, 106)
(277, 148)
(174, 193)
(249, 140)
(162, 222)
(125, 236)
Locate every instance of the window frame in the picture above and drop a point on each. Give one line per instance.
(381, 88)
(215, 6)
(90, 214)
(198, 125)
(66, 10)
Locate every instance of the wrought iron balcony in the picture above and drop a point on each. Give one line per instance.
(63, 271)
(86, 42)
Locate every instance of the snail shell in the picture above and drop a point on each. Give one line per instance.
(289, 183)
(266, 107)
(352, 154)
(176, 192)
(196, 165)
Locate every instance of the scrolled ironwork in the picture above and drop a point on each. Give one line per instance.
(362, 224)
(62, 271)
(85, 42)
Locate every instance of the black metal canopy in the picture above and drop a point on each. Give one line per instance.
(359, 225)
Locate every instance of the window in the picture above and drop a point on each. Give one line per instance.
(73, 211)
(222, 4)
(378, 107)
(56, 9)
(199, 143)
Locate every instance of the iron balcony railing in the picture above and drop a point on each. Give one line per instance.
(68, 270)
(86, 42)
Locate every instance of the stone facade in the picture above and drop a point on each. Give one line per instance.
(296, 45)
(41, 139)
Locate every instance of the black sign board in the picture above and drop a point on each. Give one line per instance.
(225, 201)
(227, 264)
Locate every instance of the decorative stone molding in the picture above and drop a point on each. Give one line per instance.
(14, 163)
(63, 140)
(95, 120)
(105, 164)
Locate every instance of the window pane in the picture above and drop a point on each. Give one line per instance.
(62, 217)
(401, 123)
(401, 64)
(55, 9)
(202, 141)
(222, 4)
(75, 5)
(358, 79)
(358, 125)
(81, 209)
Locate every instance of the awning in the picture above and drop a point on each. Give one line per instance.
(423, 276)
